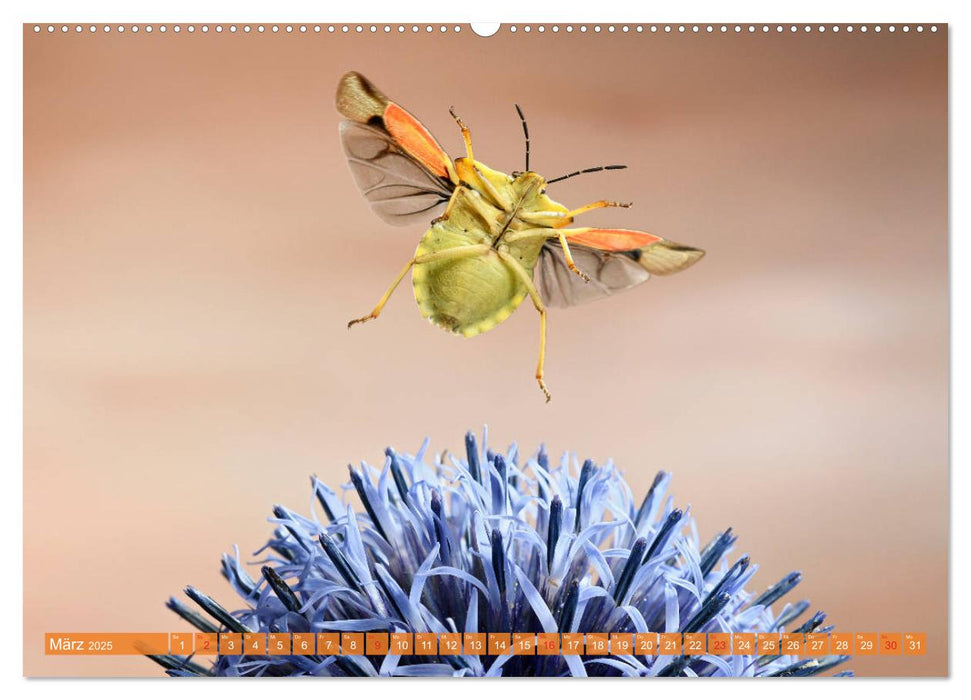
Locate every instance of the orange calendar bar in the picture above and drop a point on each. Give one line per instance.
(207, 644)
(402, 643)
(622, 644)
(279, 644)
(865, 643)
(810, 644)
(450, 643)
(767, 643)
(106, 644)
(230, 644)
(328, 643)
(669, 643)
(645, 644)
(523, 643)
(720, 644)
(571, 644)
(426, 644)
(841, 642)
(303, 644)
(475, 643)
(254, 643)
(817, 644)
(743, 644)
(694, 643)
(377, 643)
(181, 643)
(597, 644)
(352, 643)
(548, 644)
(915, 643)
(499, 644)
(891, 643)
(791, 643)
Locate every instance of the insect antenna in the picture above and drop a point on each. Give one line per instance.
(525, 133)
(584, 171)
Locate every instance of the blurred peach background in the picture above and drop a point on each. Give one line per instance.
(194, 245)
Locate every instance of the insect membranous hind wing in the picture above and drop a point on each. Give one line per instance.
(609, 271)
(399, 189)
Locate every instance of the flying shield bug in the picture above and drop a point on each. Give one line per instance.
(497, 238)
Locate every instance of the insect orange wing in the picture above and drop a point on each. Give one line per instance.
(612, 239)
(411, 135)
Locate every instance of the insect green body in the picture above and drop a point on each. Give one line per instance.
(470, 295)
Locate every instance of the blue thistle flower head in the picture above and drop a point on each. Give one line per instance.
(496, 543)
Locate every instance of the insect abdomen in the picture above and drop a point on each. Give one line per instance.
(466, 296)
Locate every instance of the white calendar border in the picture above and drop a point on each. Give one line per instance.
(437, 11)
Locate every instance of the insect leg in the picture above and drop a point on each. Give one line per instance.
(550, 233)
(466, 132)
(490, 189)
(569, 257)
(451, 253)
(462, 251)
(387, 295)
(516, 267)
(448, 208)
(568, 217)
